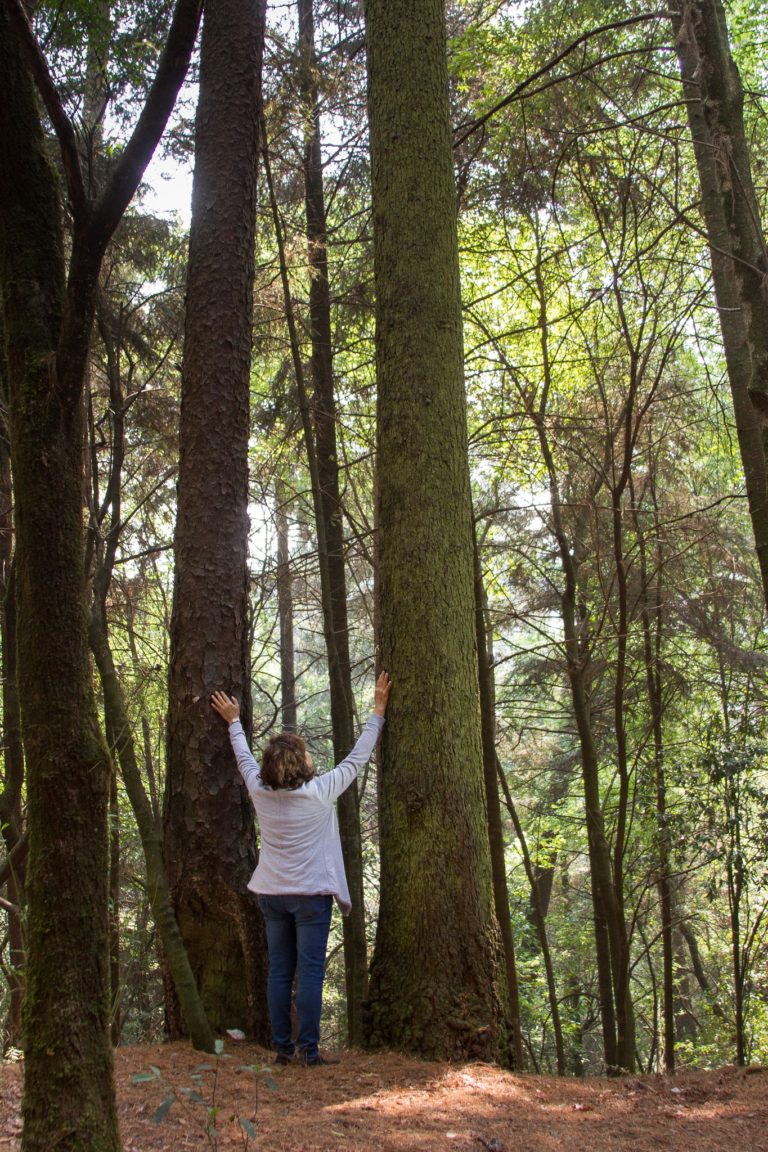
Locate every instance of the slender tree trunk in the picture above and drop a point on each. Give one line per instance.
(539, 916)
(437, 982)
(651, 618)
(285, 613)
(115, 981)
(119, 727)
(209, 849)
(714, 99)
(106, 517)
(336, 628)
(621, 959)
(487, 684)
(11, 819)
(611, 945)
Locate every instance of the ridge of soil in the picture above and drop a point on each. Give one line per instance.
(370, 1102)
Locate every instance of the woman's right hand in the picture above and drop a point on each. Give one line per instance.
(381, 694)
(226, 706)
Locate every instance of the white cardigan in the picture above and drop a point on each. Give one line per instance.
(300, 846)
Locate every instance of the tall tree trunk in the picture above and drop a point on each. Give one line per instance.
(334, 570)
(437, 982)
(714, 99)
(69, 1099)
(209, 848)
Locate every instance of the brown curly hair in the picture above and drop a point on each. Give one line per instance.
(284, 762)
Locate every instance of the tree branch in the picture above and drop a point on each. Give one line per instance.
(467, 129)
(49, 94)
(171, 72)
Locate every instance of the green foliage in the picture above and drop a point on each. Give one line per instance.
(203, 1093)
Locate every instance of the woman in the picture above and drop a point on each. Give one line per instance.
(300, 868)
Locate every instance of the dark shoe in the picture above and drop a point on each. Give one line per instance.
(314, 1061)
(282, 1060)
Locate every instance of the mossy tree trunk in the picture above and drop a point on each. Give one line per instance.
(208, 840)
(437, 983)
(48, 299)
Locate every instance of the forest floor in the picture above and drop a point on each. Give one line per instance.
(373, 1102)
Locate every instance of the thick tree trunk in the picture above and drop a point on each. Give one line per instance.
(714, 99)
(68, 1088)
(69, 1098)
(334, 568)
(209, 847)
(437, 983)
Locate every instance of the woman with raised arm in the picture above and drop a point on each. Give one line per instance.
(300, 869)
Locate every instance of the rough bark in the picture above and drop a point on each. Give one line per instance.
(333, 564)
(209, 847)
(437, 984)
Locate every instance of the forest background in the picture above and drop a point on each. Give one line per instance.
(619, 605)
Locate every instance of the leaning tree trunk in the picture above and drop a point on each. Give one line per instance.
(209, 849)
(714, 99)
(333, 564)
(437, 977)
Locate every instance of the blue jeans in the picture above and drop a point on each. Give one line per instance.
(297, 936)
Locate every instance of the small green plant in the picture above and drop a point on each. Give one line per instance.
(197, 1096)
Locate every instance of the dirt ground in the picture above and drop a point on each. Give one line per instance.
(385, 1101)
